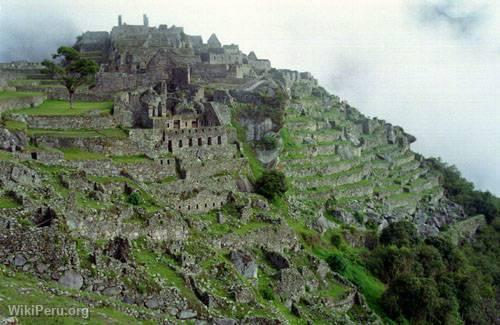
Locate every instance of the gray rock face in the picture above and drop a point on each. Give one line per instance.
(152, 303)
(9, 140)
(19, 260)
(291, 284)
(225, 321)
(322, 224)
(71, 279)
(245, 264)
(278, 260)
(112, 291)
(391, 135)
(267, 157)
(187, 314)
(255, 129)
(244, 185)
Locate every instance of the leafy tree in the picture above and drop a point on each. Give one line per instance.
(71, 69)
(389, 262)
(272, 184)
(401, 233)
(413, 297)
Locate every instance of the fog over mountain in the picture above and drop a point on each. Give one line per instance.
(431, 66)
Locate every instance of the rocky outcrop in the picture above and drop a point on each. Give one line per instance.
(245, 264)
(12, 141)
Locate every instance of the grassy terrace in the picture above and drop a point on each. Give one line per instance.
(30, 82)
(6, 202)
(133, 159)
(77, 154)
(61, 108)
(14, 125)
(80, 133)
(6, 95)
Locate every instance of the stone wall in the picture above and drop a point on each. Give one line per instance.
(144, 171)
(112, 146)
(111, 82)
(70, 122)
(211, 72)
(82, 95)
(179, 140)
(260, 65)
(21, 102)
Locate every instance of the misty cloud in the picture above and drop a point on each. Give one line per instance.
(30, 32)
(463, 18)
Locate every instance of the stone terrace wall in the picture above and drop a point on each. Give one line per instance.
(144, 141)
(112, 146)
(70, 122)
(144, 171)
(112, 82)
(21, 102)
(215, 71)
(84, 96)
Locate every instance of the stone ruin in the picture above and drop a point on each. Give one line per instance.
(140, 55)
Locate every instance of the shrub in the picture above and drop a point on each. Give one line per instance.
(413, 297)
(312, 240)
(272, 184)
(268, 142)
(337, 263)
(336, 239)
(401, 233)
(134, 198)
(267, 293)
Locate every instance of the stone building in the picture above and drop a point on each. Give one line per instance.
(134, 56)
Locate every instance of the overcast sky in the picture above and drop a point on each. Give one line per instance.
(431, 66)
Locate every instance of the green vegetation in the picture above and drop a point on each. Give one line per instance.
(24, 289)
(7, 202)
(272, 184)
(78, 154)
(6, 95)
(134, 198)
(80, 133)
(14, 125)
(72, 70)
(435, 281)
(62, 108)
(134, 159)
(462, 192)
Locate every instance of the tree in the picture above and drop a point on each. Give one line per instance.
(71, 70)
(412, 297)
(272, 184)
(401, 233)
(337, 263)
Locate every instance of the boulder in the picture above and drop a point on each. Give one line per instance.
(224, 321)
(71, 279)
(187, 314)
(152, 303)
(244, 264)
(12, 140)
(291, 284)
(112, 291)
(19, 260)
